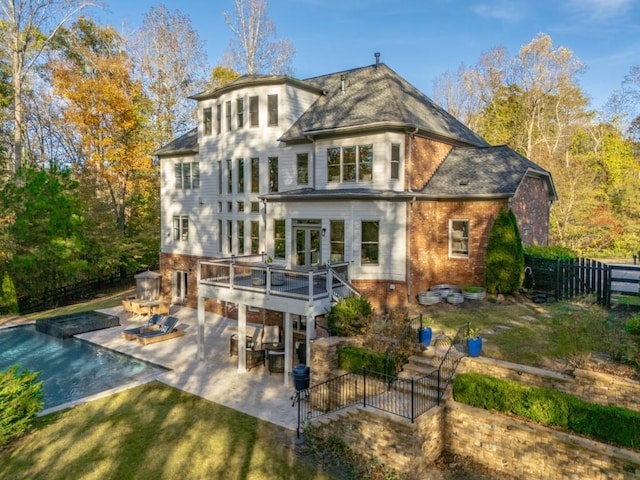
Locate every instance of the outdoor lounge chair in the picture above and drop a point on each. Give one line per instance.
(152, 324)
(166, 331)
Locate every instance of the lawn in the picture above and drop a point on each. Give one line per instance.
(155, 431)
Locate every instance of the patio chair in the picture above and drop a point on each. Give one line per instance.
(166, 331)
(152, 324)
(126, 305)
(162, 309)
(270, 335)
(255, 351)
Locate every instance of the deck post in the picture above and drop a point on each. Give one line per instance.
(288, 341)
(201, 352)
(242, 335)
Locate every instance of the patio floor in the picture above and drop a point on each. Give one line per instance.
(255, 392)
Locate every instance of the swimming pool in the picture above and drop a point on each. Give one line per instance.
(71, 369)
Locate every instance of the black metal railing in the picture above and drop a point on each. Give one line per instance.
(407, 398)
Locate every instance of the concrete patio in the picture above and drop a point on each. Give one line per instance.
(255, 392)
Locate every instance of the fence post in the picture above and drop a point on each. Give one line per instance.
(413, 397)
(364, 387)
(439, 393)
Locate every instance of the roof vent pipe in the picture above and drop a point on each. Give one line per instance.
(342, 79)
(377, 55)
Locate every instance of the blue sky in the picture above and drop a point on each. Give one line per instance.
(421, 39)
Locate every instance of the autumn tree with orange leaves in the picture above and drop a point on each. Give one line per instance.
(93, 75)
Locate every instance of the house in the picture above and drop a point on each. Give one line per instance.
(352, 181)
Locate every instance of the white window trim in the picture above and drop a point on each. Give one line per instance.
(451, 238)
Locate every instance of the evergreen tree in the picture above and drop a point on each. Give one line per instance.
(505, 255)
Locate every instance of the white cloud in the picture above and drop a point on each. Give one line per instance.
(600, 9)
(505, 10)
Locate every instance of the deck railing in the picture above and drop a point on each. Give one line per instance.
(252, 274)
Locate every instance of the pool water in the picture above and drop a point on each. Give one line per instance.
(71, 369)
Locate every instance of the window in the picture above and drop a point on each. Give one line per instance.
(229, 236)
(279, 239)
(181, 228)
(219, 177)
(240, 237)
(187, 175)
(255, 237)
(272, 105)
(240, 112)
(220, 236)
(230, 207)
(350, 164)
(395, 161)
(273, 174)
(459, 238)
(253, 111)
(255, 175)
(336, 228)
(255, 207)
(303, 168)
(219, 118)
(207, 120)
(370, 243)
(333, 164)
(227, 107)
(240, 207)
(365, 162)
(240, 175)
(229, 176)
(219, 207)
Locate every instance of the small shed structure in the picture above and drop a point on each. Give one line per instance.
(148, 285)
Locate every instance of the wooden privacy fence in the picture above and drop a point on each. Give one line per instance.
(569, 278)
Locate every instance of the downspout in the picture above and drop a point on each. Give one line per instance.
(407, 164)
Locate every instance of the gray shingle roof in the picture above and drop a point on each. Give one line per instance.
(488, 171)
(376, 96)
(185, 144)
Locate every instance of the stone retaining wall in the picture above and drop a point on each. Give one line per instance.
(590, 386)
(497, 441)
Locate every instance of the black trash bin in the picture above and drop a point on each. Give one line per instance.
(301, 377)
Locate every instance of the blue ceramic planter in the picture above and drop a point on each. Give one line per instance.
(425, 336)
(474, 346)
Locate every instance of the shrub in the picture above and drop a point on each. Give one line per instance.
(8, 296)
(505, 255)
(355, 359)
(554, 252)
(633, 325)
(614, 425)
(21, 399)
(349, 316)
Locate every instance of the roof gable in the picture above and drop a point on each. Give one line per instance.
(183, 145)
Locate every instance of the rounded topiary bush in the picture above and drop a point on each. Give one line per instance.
(20, 399)
(349, 316)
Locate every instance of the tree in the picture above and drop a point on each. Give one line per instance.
(118, 180)
(254, 49)
(44, 230)
(505, 255)
(29, 26)
(173, 65)
(222, 75)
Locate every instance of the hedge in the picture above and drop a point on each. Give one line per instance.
(20, 400)
(613, 425)
(355, 359)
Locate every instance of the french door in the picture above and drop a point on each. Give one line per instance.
(307, 245)
(179, 286)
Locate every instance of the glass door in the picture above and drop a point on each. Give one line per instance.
(307, 246)
(179, 286)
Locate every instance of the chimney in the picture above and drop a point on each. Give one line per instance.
(377, 55)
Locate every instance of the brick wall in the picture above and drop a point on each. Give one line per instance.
(383, 295)
(530, 205)
(429, 243)
(426, 156)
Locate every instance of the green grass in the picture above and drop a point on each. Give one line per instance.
(154, 431)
